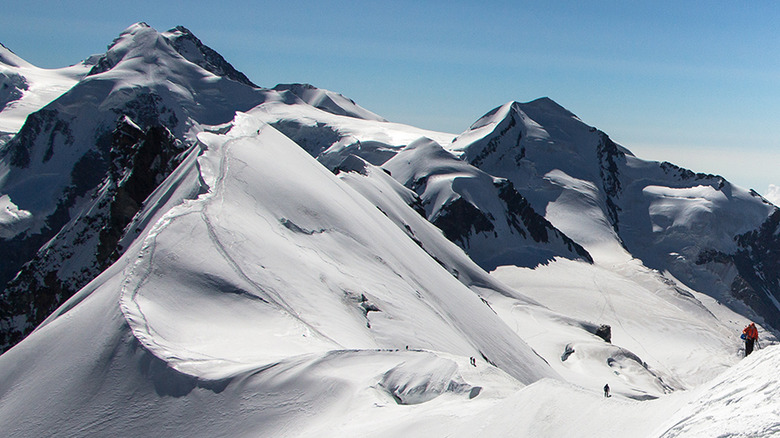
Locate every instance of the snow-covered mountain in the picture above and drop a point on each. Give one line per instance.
(486, 215)
(81, 167)
(187, 253)
(701, 229)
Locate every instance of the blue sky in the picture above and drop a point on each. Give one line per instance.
(695, 83)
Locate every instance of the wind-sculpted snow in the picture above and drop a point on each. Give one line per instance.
(424, 379)
(740, 403)
(329, 101)
(287, 260)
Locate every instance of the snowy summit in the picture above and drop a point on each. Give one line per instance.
(190, 254)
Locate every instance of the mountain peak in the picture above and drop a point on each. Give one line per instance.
(543, 101)
(11, 59)
(137, 36)
(141, 41)
(131, 32)
(544, 107)
(192, 49)
(183, 30)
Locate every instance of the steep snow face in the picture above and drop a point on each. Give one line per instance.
(552, 159)
(25, 89)
(349, 295)
(740, 402)
(192, 49)
(484, 215)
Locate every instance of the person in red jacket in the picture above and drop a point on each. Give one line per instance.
(750, 335)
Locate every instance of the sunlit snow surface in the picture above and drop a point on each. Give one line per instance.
(25, 88)
(281, 302)
(263, 295)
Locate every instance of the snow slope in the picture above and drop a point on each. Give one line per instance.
(239, 318)
(279, 301)
(25, 88)
(485, 215)
(740, 402)
(699, 227)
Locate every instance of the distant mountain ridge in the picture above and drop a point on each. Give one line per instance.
(517, 160)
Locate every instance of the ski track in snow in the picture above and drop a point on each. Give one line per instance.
(141, 270)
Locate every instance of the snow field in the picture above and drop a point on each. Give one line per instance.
(34, 87)
(678, 339)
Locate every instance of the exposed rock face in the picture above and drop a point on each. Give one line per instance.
(96, 153)
(49, 130)
(604, 332)
(459, 220)
(138, 161)
(46, 124)
(540, 229)
(757, 262)
(11, 88)
(609, 155)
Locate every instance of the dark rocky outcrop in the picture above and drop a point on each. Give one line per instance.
(757, 261)
(460, 219)
(519, 211)
(610, 156)
(604, 332)
(139, 160)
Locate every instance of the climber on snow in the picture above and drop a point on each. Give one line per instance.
(750, 335)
